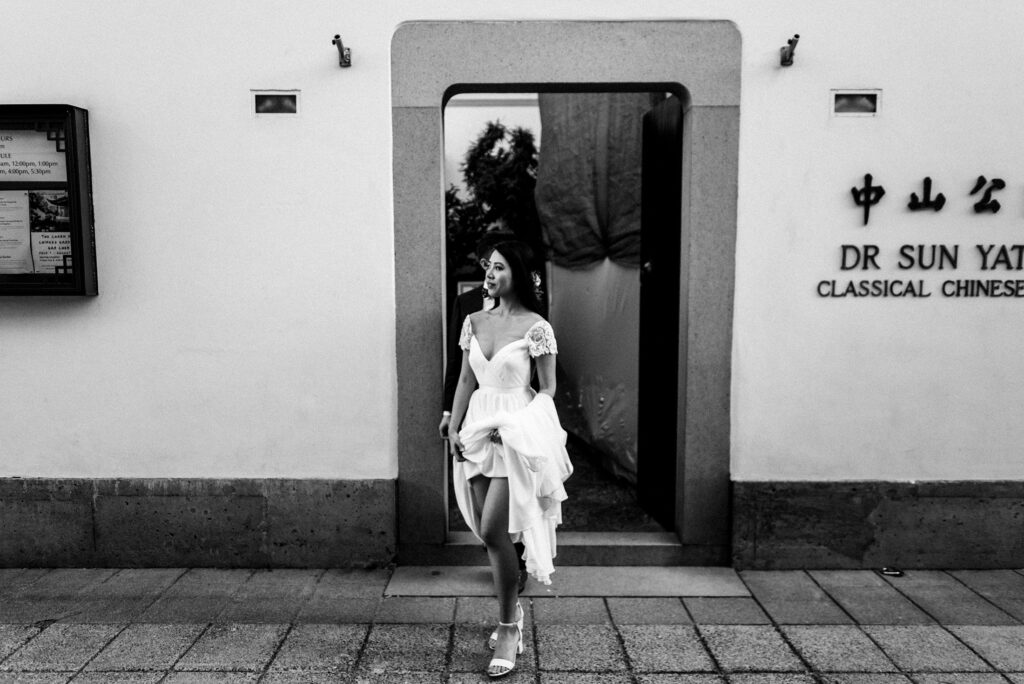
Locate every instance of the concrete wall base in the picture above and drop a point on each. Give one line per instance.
(785, 525)
(196, 523)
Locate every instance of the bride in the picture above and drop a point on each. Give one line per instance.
(509, 457)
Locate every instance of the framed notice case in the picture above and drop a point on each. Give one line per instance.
(47, 241)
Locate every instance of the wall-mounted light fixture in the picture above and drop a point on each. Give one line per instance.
(786, 53)
(344, 53)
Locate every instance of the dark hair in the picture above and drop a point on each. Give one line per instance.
(486, 243)
(520, 262)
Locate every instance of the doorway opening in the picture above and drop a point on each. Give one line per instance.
(590, 179)
(556, 56)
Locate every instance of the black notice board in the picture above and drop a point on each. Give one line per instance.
(47, 236)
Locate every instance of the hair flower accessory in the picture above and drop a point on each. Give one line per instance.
(537, 289)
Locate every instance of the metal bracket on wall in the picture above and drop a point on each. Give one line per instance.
(344, 53)
(786, 53)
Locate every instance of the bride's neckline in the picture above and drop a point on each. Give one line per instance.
(497, 351)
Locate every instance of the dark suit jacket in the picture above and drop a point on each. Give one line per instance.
(465, 304)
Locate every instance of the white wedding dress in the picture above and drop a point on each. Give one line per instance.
(532, 451)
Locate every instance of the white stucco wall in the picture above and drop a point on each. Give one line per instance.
(877, 388)
(245, 326)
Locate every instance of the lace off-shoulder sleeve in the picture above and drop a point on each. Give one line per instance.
(542, 339)
(467, 334)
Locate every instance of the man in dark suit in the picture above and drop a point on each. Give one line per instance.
(465, 304)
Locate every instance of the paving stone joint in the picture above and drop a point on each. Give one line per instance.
(792, 627)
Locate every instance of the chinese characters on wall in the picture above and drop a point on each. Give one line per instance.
(870, 194)
(1003, 263)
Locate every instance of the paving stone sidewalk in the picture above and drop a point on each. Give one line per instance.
(290, 626)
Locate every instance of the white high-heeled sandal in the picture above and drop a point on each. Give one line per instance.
(509, 665)
(492, 640)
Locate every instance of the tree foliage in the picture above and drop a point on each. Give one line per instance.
(500, 172)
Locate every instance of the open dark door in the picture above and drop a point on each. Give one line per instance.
(659, 310)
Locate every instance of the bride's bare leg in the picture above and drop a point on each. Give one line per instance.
(479, 485)
(504, 567)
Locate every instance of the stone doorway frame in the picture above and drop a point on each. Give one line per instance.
(428, 59)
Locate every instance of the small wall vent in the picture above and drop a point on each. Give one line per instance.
(275, 102)
(855, 102)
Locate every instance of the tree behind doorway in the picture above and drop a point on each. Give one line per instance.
(500, 174)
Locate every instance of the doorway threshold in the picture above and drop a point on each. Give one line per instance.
(617, 539)
(578, 549)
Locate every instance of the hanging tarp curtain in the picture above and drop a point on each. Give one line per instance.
(588, 179)
(588, 198)
(596, 314)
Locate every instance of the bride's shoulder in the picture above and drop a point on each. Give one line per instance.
(477, 316)
(536, 320)
(533, 318)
